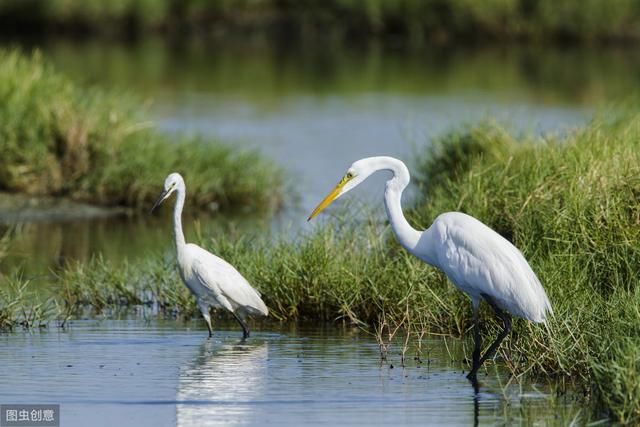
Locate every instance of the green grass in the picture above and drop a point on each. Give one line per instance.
(5, 240)
(99, 285)
(57, 138)
(21, 306)
(569, 203)
(409, 19)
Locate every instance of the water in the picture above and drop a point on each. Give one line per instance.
(314, 110)
(43, 245)
(135, 373)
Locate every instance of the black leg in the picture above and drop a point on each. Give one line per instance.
(477, 343)
(204, 309)
(506, 320)
(245, 328)
(476, 401)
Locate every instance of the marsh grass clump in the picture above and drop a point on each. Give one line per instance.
(20, 306)
(341, 271)
(99, 285)
(57, 138)
(571, 205)
(453, 154)
(331, 274)
(617, 379)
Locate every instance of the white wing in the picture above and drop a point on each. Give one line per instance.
(480, 261)
(223, 280)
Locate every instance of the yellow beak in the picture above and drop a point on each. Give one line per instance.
(330, 198)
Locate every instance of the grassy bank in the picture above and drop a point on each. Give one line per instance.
(353, 19)
(570, 204)
(57, 138)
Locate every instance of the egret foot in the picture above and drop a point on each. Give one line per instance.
(207, 318)
(245, 328)
(506, 320)
(210, 279)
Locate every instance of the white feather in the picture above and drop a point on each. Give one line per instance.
(480, 261)
(476, 259)
(213, 281)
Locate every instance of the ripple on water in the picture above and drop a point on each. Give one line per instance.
(136, 373)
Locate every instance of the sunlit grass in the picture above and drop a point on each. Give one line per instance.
(57, 138)
(569, 203)
(21, 306)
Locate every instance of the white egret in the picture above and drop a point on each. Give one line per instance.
(214, 282)
(479, 261)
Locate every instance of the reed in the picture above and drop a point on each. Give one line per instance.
(570, 203)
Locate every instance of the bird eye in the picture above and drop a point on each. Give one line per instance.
(349, 175)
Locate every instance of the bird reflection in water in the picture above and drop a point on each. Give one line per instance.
(216, 388)
(476, 400)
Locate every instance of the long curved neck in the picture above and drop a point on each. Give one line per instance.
(405, 233)
(177, 218)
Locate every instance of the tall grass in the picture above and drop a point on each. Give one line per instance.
(99, 285)
(572, 206)
(94, 146)
(5, 241)
(569, 203)
(22, 306)
(414, 19)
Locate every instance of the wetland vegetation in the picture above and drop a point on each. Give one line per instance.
(413, 20)
(569, 202)
(95, 146)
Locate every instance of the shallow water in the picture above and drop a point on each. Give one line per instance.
(315, 109)
(40, 247)
(134, 373)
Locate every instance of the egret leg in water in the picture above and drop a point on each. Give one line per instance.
(214, 282)
(245, 328)
(506, 320)
(476, 259)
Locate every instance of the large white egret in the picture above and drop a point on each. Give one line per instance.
(214, 282)
(479, 261)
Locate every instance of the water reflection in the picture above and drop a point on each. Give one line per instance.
(476, 400)
(131, 373)
(226, 375)
(267, 73)
(316, 109)
(39, 247)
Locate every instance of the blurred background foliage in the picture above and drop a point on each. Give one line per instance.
(417, 20)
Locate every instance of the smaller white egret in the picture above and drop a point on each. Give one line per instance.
(214, 282)
(479, 261)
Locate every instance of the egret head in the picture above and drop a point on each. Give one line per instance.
(173, 182)
(357, 172)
